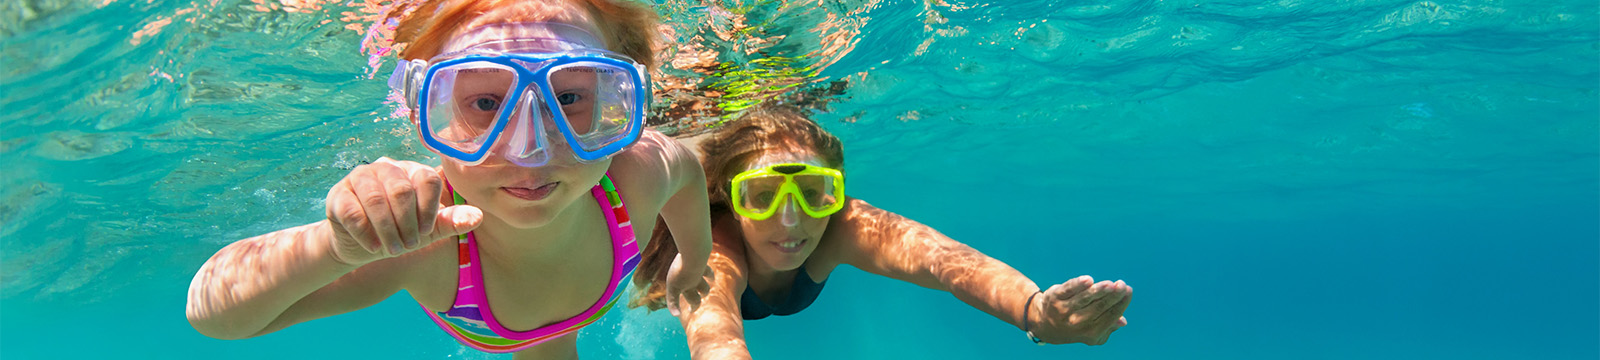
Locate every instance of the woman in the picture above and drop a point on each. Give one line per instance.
(781, 224)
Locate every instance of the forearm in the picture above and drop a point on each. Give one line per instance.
(716, 336)
(249, 283)
(985, 283)
(687, 214)
(891, 245)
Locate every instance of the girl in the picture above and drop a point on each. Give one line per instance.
(536, 108)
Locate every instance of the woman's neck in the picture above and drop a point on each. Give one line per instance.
(764, 277)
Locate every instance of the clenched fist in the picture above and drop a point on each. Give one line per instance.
(388, 208)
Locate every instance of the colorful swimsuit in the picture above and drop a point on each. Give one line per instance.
(471, 322)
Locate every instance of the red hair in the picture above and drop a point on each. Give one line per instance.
(627, 28)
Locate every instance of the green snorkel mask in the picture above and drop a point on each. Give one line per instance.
(758, 193)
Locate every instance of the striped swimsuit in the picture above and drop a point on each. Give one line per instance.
(471, 322)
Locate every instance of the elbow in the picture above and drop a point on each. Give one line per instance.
(214, 327)
(210, 322)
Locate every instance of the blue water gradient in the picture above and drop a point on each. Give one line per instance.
(1378, 179)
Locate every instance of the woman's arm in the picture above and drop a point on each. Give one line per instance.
(891, 245)
(715, 328)
(896, 247)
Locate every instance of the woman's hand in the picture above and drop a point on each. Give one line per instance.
(388, 208)
(1080, 311)
(686, 282)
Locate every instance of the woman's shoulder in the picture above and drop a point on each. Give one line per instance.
(856, 228)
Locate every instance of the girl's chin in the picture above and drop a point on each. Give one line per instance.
(525, 217)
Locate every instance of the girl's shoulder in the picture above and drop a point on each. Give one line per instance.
(653, 167)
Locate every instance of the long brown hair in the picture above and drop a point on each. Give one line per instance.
(726, 153)
(425, 26)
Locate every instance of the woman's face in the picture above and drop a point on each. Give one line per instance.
(785, 240)
(523, 197)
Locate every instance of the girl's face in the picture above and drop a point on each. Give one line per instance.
(524, 197)
(785, 240)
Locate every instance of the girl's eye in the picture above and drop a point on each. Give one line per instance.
(811, 196)
(568, 98)
(486, 104)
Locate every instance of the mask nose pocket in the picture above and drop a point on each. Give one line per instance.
(791, 215)
(527, 144)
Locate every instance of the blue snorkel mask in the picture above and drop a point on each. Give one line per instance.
(549, 84)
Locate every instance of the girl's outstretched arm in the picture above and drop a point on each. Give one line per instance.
(351, 261)
(891, 245)
(714, 327)
(243, 289)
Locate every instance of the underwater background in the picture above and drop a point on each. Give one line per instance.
(1375, 179)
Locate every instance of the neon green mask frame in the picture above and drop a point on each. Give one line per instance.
(789, 191)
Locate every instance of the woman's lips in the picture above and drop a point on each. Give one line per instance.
(791, 246)
(531, 194)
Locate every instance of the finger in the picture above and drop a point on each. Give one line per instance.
(1084, 298)
(344, 211)
(402, 199)
(1072, 287)
(672, 303)
(1120, 308)
(694, 299)
(454, 221)
(374, 202)
(1112, 309)
(429, 187)
(1108, 298)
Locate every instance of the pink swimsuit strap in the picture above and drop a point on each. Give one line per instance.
(471, 321)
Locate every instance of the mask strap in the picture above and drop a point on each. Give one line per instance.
(407, 80)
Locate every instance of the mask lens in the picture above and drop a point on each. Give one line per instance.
(466, 101)
(597, 101)
(817, 191)
(758, 193)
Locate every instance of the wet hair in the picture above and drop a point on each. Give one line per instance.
(727, 152)
(626, 27)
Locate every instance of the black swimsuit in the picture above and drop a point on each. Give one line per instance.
(801, 294)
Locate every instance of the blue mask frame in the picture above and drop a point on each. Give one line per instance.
(404, 80)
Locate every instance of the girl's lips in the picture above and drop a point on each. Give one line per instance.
(791, 246)
(532, 194)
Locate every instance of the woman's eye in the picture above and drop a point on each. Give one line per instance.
(568, 98)
(765, 197)
(486, 104)
(811, 196)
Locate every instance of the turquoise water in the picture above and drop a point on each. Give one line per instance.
(1308, 180)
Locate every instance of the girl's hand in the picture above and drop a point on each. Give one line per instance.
(388, 208)
(1080, 310)
(687, 282)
